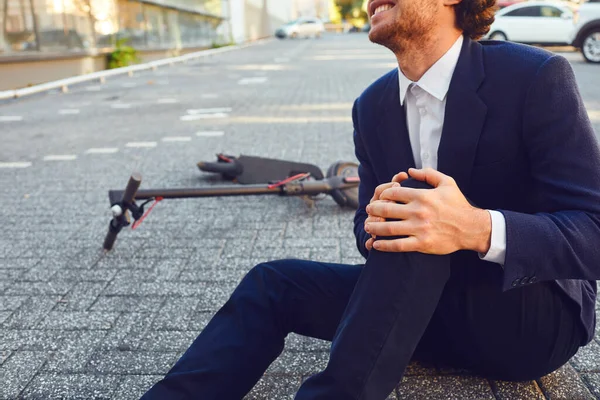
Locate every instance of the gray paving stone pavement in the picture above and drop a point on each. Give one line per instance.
(78, 324)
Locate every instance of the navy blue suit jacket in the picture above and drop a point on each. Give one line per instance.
(516, 139)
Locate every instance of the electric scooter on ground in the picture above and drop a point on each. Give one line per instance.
(254, 176)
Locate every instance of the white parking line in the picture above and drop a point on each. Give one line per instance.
(102, 150)
(60, 157)
(253, 81)
(141, 144)
(202, 116)
(209, 110)
(21, 164)
(167, 101)
(210, 133)
(177, 139)
(68, 111)
(120, 106)
(10, 118)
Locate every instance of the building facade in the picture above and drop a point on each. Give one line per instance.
(67, 25)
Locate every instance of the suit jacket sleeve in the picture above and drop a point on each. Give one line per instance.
(367, 186)
(563, 240)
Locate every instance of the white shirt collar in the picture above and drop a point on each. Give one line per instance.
(436, 79)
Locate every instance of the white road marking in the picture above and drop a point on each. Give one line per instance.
(93, 88)
(177, 139)
(317, 107)
(594, 115)
(22, 164)
(102, 150)
(253, 81)
(60, 157)
(167, 101)
(284, 120)
(350, 57)
(210, 133)
(10, 118)
(120, 106)
(209, 110)
(202, 116)
(141, 144)
(68, 111)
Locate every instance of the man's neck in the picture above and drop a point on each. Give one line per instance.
(416, 58)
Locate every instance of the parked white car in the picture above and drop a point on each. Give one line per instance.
(587, 32)
(534, 22)
(303, 27)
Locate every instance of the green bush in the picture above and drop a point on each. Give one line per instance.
(123, 55)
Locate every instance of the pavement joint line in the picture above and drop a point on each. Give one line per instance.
(210, 133)
(60, 157)
(102, 150)
(196, 117)
(16, 164)
(177, 139)
(120, 106)
(69, 111)
(141, 144)
(216, 110)
(10, 118)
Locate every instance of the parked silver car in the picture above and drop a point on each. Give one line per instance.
(303, 27)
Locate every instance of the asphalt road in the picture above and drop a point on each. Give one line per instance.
(75, 323)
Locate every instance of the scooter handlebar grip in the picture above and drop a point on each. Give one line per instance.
(111, 237)
(132, 187)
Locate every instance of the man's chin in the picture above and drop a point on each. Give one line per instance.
(380, 35)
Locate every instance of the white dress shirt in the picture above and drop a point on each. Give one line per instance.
(425, 109)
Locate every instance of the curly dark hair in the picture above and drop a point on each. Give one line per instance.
(474, 17)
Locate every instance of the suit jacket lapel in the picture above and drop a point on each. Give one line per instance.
(392, 132)
(464, 117)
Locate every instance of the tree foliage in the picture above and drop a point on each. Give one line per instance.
(349, 9)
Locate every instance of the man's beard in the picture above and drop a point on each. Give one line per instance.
(408, 30)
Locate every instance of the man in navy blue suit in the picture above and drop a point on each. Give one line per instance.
(479, 219)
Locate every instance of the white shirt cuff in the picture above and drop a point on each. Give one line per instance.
(497, 251)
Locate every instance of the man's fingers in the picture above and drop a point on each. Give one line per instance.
(383, 209)
(401, 177)
(401, 194)
(369, 244)
(381, 188)
(390, 228)
(433, 177)
(404, 245)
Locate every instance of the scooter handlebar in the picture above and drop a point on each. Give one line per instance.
(120, 212)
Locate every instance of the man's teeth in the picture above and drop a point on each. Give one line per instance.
(384, 7)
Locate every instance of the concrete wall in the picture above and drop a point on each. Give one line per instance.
(19, 72)
(255, 19)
